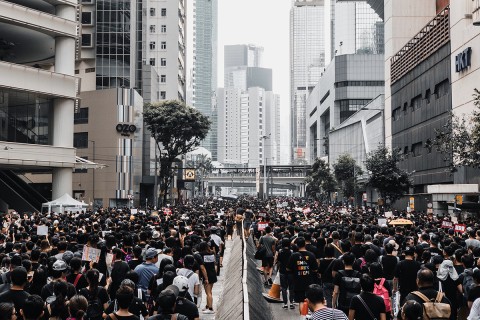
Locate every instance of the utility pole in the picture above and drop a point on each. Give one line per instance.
(264, 149)
(93, 174)
(155, 187)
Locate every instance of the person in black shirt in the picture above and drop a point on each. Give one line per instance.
(286, 281)
(342, 296)
(32, 308)
(124, 297)
(367, 305)
(325, 273)
(16, 294)
(167, 301)
(405, 275)
(474, 292)
(76, 278)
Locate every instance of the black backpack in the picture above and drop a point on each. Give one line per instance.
(349, 287)
(95, 308)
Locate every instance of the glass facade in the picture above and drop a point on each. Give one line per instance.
(307, 62)
(205, 66)
(115, 54)
(350, 106)
(25, 117)
(369, 30)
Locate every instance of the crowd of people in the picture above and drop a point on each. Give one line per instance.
(343, 264)
(338, 262)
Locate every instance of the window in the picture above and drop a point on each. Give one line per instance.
(81, 170)
(428, 96)
(152, 28)
(164, 28)
(163, 95)
(81, 116)
(405, 108)
(87, 1)
(89, 70)
(87, 18)
(164, 12)
(349, 107)
(417, 149)
(163, 78)
(152, 12)
(417, 102)
(442, 88)
(152, 45)
(163, 45)
(163, 62)
(396, 113)
(86, 40)
(152, 61)
(80, 140)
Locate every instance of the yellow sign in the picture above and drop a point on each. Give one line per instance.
(189, 175)
(412, 203)
(459, 199)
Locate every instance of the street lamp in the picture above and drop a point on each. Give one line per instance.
(93, 174)
(264, 138)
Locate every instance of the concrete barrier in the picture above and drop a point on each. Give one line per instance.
(231, 306)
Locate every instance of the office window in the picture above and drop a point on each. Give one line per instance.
(163, 78)
(87, 18)
(152, 45)
(163, 95)
(152, 61)
(164, 28)
(163, 45)
(428, 95)
(80, 140)
(417, 102)
(81, 116)
(442, 88)
(86, 40)
(396, 114)
(152, 28)
(417, 149)
(164, 12)
(152, 12)
(163, 62)
(89, 70)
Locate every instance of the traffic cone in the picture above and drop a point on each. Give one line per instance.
(273, 294)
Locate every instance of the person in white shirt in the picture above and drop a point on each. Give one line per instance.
(193, 279)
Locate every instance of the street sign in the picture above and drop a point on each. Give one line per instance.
(459, 199)
(364, 197)
(429, 205)
(429, 210)
(412, 203)
(189, 175)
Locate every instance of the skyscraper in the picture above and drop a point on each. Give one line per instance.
(205, 66)
(307, 62)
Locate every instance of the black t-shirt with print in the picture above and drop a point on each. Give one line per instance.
(303, 266)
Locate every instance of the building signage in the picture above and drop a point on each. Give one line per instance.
(463, 60)
(125, 129)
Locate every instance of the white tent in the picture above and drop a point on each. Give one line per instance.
(65, 201)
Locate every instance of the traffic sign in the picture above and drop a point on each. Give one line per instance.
(412, 203)
(459, 199)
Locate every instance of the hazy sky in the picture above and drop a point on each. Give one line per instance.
(263, 23)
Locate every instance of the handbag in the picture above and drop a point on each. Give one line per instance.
(261, 252)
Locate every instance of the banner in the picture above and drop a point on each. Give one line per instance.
(90, 254)
(460, 228)
(447, 224)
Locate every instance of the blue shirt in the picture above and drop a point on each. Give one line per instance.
(145, 272)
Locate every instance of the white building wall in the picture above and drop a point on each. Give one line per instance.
(272, 129)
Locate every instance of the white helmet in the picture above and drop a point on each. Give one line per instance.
(181, 283)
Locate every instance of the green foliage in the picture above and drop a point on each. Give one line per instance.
(459, 139)
(385, 175)
(346, 172)
(176, 129)
(320, 180)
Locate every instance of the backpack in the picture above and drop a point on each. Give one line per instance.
(382, 292)
(349, 287)
(95, 308)
(436, 309)
(467, 283)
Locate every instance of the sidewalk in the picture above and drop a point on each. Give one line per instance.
(218, 286)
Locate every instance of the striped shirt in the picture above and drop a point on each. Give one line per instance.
(328, 314)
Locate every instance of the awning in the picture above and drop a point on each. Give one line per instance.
(81, 163)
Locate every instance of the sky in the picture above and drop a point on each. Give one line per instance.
(263, 23)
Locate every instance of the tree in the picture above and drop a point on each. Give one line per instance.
(320, 180)
(459, 139)
(385, 175)
(346, 172)
(176, 129)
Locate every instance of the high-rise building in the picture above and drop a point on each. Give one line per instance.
(38, 89)
(307, 62)
(204, 73)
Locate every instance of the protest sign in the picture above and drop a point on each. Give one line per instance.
(90, 254)
(42, 230)
(262, 226)
(447, 224)
(460, 228)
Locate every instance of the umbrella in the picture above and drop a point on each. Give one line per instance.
(401, 222)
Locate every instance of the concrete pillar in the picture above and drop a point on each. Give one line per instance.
(63, 109)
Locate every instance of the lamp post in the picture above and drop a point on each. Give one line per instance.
(264, 138)
(93, 174)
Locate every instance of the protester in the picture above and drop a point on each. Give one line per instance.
(367, 305)
(316, 304)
